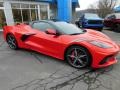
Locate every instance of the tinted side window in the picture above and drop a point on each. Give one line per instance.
(42, 26)
(111, 17)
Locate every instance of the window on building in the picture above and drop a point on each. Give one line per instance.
(16, 12)
(28, 12)
(34, 14)
(17, 15)
(2, 18)
(26, 15)
(24, 5)
(33, 6)
(43, 12)
(15, 6)
(53, 11)
(1, 4)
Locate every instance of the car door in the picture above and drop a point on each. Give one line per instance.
(109, 21)
(43, 42)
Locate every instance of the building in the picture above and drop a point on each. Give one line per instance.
(16, 11)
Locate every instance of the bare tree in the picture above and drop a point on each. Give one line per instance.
(104, 7)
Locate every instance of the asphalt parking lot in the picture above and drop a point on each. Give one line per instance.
(27, 70)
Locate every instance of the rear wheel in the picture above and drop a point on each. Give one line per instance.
(12, 42)
(117, 27)
(78, 57)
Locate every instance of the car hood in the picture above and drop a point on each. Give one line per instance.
(90, 35)
(96, 35)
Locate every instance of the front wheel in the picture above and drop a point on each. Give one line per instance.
(100, 29)
(12, 42)
(78, 57)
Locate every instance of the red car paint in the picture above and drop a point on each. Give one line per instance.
(111, 22)
(56, 46)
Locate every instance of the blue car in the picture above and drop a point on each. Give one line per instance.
(90, 20)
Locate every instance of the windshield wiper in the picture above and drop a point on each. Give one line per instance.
(75, 33)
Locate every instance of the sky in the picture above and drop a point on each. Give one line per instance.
(84, 4)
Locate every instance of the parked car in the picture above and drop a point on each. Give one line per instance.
(90, 20)
(65, 41)
(113, 21)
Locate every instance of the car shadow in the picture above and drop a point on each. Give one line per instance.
(45, 58)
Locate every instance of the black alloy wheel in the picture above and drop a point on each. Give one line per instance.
(12, 42)
(78, 57)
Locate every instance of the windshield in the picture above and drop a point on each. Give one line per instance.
(68, 28)
(91, 16)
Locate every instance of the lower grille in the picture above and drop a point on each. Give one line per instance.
(106, 59)
(94, 22)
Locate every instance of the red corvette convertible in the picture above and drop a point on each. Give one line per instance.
(80, 48)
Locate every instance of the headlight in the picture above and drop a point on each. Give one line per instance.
(100, 44)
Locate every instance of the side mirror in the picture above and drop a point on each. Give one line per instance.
(51, 31)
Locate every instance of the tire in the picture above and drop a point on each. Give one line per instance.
(12, 42)
(100, 29)
(118, 28)
(77, 24)
(77, 60)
